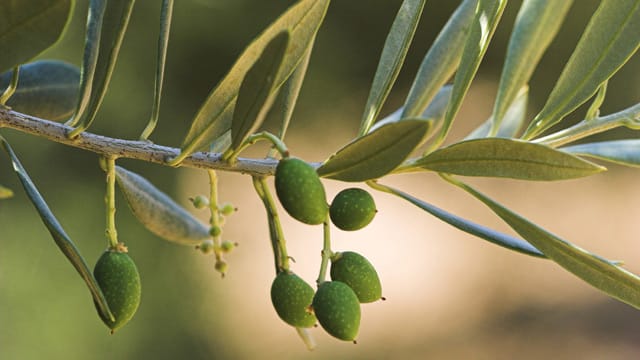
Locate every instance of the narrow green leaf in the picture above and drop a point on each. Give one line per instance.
(392, 58)
(433, 113)
(106, 26)
(594, 109)
(29, 27)
(512, 119)
(214, 117)
(486, 20)
(60, 237)
(166, 13)
(497, 157)
(158, 212)
(258, 90)
(5, 192)
(483, 232)
(377, 153)
(610, 39)
(47, 89)
(537, 24)
(11, 87)
(95, 17)
(596, 271)
(285, 102)
(623, 152)
(441, 61)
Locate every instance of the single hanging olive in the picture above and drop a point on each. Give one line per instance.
(291, 297)
(118, 277)
(300, 191)
(356, 271)
(338, 310)
(352, 209)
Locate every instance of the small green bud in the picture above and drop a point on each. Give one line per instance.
(222, 267)
(352, 209)
(200, 202)
(215, 231)
(338, 310)
(226, 246)
(206, 247)
(227, 209)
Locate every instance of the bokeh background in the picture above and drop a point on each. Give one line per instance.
(449, 295)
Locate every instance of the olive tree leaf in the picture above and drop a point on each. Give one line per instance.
(434, 112)
(623, 152)
(107, 23)
(391, 60)
(610, 39)
(285, 102)
(488, 14)
(512, 119)
(258, 90)
(158, 212)
(594, 270)
(28, 27)
(10, 88)
(377, 153)
(537, 24)
(60, 237)
(46, 89)
(5, 192)
(214, 116)
(483, 232)
(166, 13)
(498, 157)
(441, 61)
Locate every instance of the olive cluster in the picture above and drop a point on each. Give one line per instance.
(336, 303)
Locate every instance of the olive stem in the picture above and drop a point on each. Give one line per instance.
(110, 201)
(307, 338)
(231, 155)
(629, 118)
(214, 221)
(129, 149)
(326, 252)
(11, 89)
(278, 242)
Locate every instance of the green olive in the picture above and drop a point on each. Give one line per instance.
(356, 271)
(300, 191)
(352, 209)
(118, 277)
(338, 311)
(291, 297)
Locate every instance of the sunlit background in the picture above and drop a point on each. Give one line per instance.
(449, 295)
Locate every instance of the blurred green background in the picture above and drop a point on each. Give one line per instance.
(449, 295)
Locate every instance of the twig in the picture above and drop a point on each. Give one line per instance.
(131, 149)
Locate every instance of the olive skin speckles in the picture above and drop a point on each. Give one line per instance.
(291, 297)
(118, 277)
(356, 271)
(352, 209)
(338, 310)
(300, 191)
